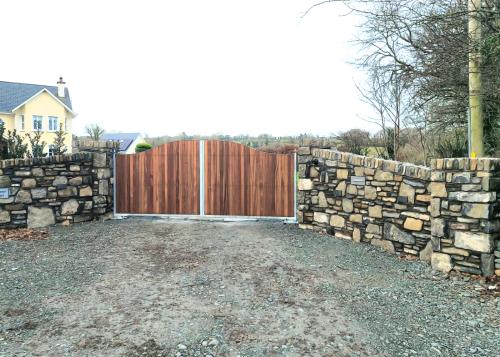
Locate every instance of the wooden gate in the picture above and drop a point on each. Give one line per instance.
(212, 178)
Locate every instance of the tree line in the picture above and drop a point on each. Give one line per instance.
(420, 58)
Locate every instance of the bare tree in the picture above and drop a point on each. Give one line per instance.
(95, 132)
(356, 141)
(421, 50)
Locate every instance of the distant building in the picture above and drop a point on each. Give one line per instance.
(34, 107)
(127, 141)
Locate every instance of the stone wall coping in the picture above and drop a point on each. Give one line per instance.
(10, 163)
(83, 144)
(467, 164)
(400, 168)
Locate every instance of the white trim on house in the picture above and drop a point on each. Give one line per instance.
(131, 148)
(52, 95)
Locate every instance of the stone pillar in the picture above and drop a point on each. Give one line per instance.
(102, 174)
(465, 211)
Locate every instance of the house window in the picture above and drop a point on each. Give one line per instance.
(37, 122)
(20, 122)
(51, 150)
(53, 124)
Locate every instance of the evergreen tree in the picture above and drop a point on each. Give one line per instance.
(16, 149)
(58, 145)
(37, 145)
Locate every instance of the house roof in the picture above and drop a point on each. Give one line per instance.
(125, 139)
(14, 94)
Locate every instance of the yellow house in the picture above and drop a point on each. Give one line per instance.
(33, 107)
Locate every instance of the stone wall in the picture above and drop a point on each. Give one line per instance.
(60, 189)
(465, 210)
(404, 208)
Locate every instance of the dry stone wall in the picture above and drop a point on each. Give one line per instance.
(63, 189)
(404, 208)
(465, 210)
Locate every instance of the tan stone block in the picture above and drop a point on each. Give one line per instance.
(352, 190)
(86, 191)
(341, 187)
(423, 198)
(375, 211)
(359, 171)
(305, 185)
(384, 176)
(75, 181)
(337, 221)
(438, 189)
(413, 224)
(23, 196)
(435, 207)
(356, 218)
(313, 172)
(423, 217)
(426, 253)
(342, 174)
(347, 205)
(373, 228)
(322, 202)
(477, 210)
(455, 251)
(321, 217)
(356, 235)
(69, 207)
(441, 262)
(407, 191)
(479, 242)
(370, 193)
(28, 183)
(342, 235)
(38, 172)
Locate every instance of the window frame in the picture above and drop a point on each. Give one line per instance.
(37, 117)
(51, 118)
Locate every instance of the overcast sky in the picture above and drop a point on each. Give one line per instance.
(200, 67)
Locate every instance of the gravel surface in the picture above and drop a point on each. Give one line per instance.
(141, 287)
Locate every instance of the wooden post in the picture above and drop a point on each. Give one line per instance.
(476, 135)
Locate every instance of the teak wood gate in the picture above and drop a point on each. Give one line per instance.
(206, 178)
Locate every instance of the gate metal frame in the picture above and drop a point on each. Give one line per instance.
(202, 216)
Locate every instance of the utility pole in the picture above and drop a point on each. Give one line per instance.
(476, 127)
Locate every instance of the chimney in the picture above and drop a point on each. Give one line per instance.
(60, 87)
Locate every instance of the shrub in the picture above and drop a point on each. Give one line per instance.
(142, 147)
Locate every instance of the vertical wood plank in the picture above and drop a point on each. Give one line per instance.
(241, 181)
(163, 180)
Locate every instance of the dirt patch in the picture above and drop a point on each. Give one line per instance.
(162, 288)
(23, 234)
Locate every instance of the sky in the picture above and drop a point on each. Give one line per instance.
(199, 67)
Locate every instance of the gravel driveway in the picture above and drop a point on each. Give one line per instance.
(141, 287)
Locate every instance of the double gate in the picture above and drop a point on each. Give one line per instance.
(206, 178)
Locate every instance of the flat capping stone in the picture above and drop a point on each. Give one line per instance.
(467, 164)
(319, 143)
(396, 167)
(29, 162)
(84, 144)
